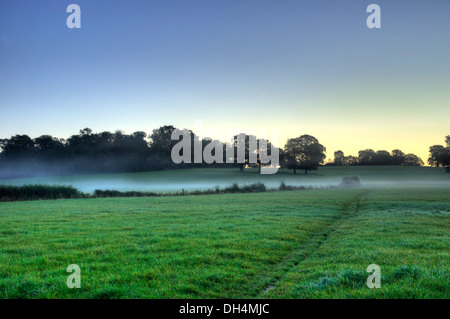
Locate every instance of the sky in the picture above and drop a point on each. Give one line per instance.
(303, 67)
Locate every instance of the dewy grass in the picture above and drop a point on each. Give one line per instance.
(300, 244)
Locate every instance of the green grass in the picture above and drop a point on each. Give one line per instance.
(314, 244)
(405, 232)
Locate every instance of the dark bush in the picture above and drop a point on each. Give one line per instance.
(113, 193)
(254, 188)
(350, 182)
(37, 192)
(232, 189)
(284, 187)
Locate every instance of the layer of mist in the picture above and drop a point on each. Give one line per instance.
(202, 179)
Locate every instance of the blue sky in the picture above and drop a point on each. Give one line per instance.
(305, 67)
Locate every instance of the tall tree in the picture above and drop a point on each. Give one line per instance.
(366, 157)
(48, 147)
(241, 145)
(412, 160)
(440, 155)
(161, 141)
(398, 157)
(338, 158)
(304, 152)
(437, 155)
(18, 146)
(261, 143)
(382, 158)
(350, 161)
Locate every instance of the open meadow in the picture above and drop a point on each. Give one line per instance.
(285, 244)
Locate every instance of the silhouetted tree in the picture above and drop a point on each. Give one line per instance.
(338, 158)
(259, 143)
(412, 160)
(382, 158)
(304, 152)
(366, 157)
(242, 140)
(350, 160)
(437, 155)
(17, 146)
(49, 148)
(160, 140)
(440, 155)
(397, 157)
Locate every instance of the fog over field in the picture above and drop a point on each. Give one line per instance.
(201, 179)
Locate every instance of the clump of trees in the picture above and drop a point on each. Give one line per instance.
(350, 182)
(86, 152)
(370, 157)
(106, 152)
(440, 155)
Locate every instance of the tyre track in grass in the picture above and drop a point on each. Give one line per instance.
(349, 209)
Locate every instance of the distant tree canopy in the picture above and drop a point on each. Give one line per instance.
(339, 158)
(89, 152)
(85, 152)
(161, 142)
(370, 157)
(251, 155)
(304, 152)
(440, 155)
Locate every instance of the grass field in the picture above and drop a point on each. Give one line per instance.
(295, 244)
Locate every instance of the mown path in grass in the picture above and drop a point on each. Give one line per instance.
(405, 232)
(349, 208)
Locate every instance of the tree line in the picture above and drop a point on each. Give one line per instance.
(382, 157)
(108, 152)
(439, 157)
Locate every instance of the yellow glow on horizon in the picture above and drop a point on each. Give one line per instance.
(351, 139)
